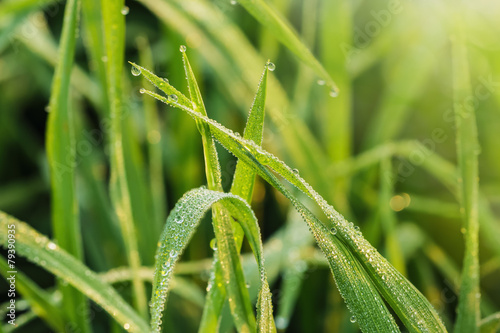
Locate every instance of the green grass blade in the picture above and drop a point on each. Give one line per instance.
(40, 301)
(227, 250)
(403, 297)
(467, 152)
(182, 223)
(114, 33)
(243, 182)
(490, 324)
(283, 31)
(61, 141)
(154, 140)
(43, 252)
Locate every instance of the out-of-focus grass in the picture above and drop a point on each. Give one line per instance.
(391, 61)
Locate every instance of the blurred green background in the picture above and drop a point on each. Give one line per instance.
(392, 63)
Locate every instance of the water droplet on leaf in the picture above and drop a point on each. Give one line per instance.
(182, 48)
(135, 71)
(271, 66)
(142, 90)
(334, 93)
(213, 244)
(333, 231)
(173, 98)
(353, 319)
(321, 82)
(125, 10)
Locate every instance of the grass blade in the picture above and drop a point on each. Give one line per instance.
(39, 300)
(243, 182)
(43, 252)
(467, 151)
(490, 324)
(114, 31)
(283, 31)
(61, 141)
(227, 251)
(182, 223)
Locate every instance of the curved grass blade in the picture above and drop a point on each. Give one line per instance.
(226, 261)
(468, 314)
(114, 35)
(411, 306)
(490, 324)
(39, 249)
(242, 186)
(39, 300)
(60, 141)
(182, 223)
(283, 31)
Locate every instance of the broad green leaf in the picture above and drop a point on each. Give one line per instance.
(227, 267)
(39, 300)
(60, 141)
(181, 225)
(468, 314)
(283, 31)
(411, 306)
(43, 252)
(114, 33)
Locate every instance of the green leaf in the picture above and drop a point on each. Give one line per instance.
(114, 33)
(181, 225)
(403, 297)
(490, 324)
(39, 249)
(227, 253)
(468, 313)
(284, 32)
(60, 142)
(39, 300)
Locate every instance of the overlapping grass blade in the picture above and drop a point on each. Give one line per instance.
(228, 271)
(243, 182)
(43, 252)
(490, 324)
(39, 300)
(468, 182)
(181, 225)
(411, 306)
(114, 33)
(60, 142)
(283, 31)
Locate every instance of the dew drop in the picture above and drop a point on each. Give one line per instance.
(321, 82)
(333, 231)
(271, 66)
(125, 10)
(135, 71)
(179, 220)
(51, 246)
(47, 108)
(165, 80)
(142, 90)
(233, 2)
(281, 322)
(353, 319)
(356, 228)
(173, 98)
(127, 325)
(334, 93)
(182, 48)
(296, 171)
(213, 244)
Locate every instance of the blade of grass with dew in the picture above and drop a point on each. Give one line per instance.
(242, 185)
(468, 314)
(154, 140)
(412, 308)
(227, 250)
(283, 31)
(298, 140)
(40, 301)
(43, 252)
(388, 217)
(114, 35)
(182, 222)
(60, 141)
